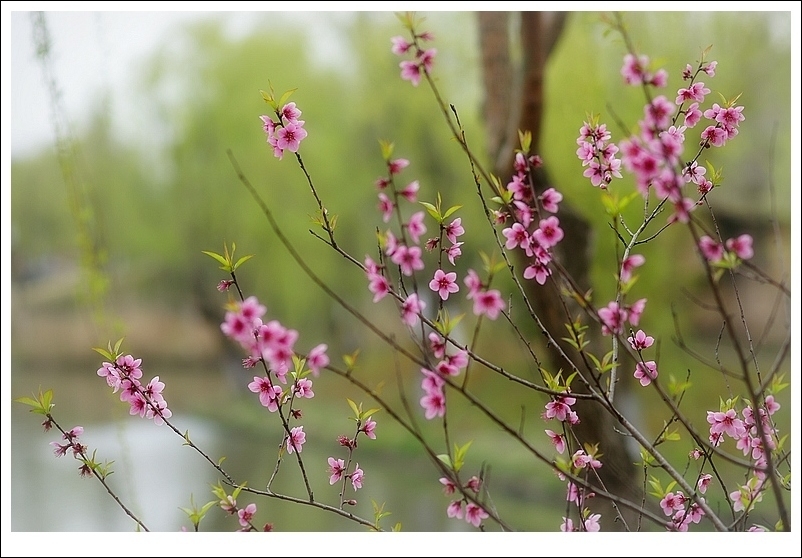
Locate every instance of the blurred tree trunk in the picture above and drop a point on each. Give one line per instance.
(514, 101)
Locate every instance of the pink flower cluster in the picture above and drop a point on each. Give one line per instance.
(78, 449)
(486, 302)
(146, 401)
(560, 408)
(614, 316)
(433, 383)
(337, 471)
(473, 513)
(682, 510)
(422, 61)
(714, 252)
(597, 154)
(286, 133)
(534, 235)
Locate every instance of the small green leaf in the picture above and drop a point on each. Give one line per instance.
(285, 97)
(445, 459)
(433, 211)
(354, 407)
(242, 260)
(450, 211)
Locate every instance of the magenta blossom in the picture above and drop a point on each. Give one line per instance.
(557, 439)
(741, 246)
(434, 403)
(488, 303)
(454, 229)
(640, 340)
(475, 514)
(629, 265)
(454, 509)
(336, 468)
(317, 359)
(613, 318)
(356, 477)
(411, 309)
(444, 283)
(646, 372)
(296, 439)
(369, 428)
(290, 136)
(246, 514)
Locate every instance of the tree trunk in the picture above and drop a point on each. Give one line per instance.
(518, 104)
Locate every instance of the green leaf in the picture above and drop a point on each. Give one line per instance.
(387, 149)
(224, 263)
(285, 97)
(433, 211)
(354, 407)
(27, 401)
(242, 260)
(445, 459)
(103, 352)
(525, 139)
(450, 211)
(369, 413)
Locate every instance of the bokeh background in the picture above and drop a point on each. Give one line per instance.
(144, 184)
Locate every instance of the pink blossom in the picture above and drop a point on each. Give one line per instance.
(692, 115)
(592, 523)
(516, 235)
(410, 192)
(269, 394)
(714, 135)
(548, 233)
(317, 359)
(386, 206)
(303, 388)
(410, 71)
(369, 428)
(290, 112)
(411, 308)
(356, 477)
(567, 525)
(672, 502)
(771, 405)
(336, 468)
(635, 311)
(747, 495)
(444, 283)
(704, 482)
(454, 509)
(640, 340)
(474, 483)
(246, 514)
(726, 422)
(629, 265)
(634, 69)
(296, 439)
(695, 92)
(408, 259)
(454, 229)
(489, 303)
(473, 283)
(742, 246)
(448, 486)
(397, 165)
(557, 439)
(128, 367)
(426, 58)
(400, 45)
(559, 407)
(646, 372)
(290, 136)
(613, 318)
(416, 227)
(379, 286)
(710, 68)
(550, 199)
(434, 403)
(475, 514)
(453, 252)
(437, 344)
(537, 271)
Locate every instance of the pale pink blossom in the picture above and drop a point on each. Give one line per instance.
(411, 309)
(246, 514)
(317, 359)
(336, 468)
(557, 439)
(475, 514)
(296, 439)
(357, 477)
(741, 246)
(444, 283)
(640, 340)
